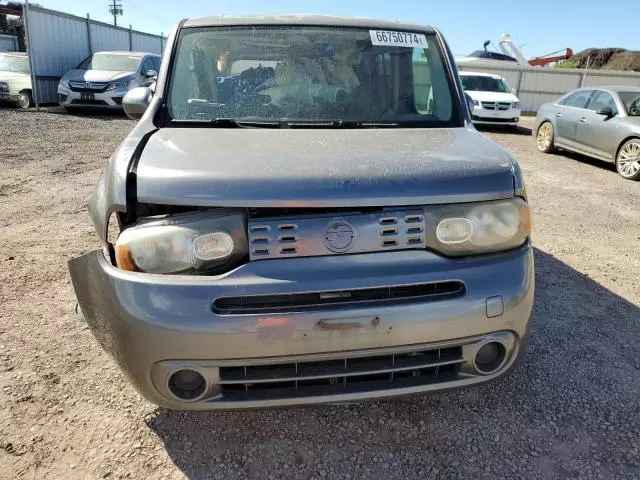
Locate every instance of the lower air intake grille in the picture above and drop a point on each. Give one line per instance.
(300, 302)
(334, 377)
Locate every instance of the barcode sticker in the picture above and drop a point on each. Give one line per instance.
(398, 39)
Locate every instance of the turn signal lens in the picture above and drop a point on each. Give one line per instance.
(213, 246)
(454, 230)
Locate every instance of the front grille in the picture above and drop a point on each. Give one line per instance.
(496, 105)
(311, 301)
(340, 376)
(88, 86)
(305, 236)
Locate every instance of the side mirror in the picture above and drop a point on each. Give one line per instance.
(151, 74)
(469, 101)
(514, 91)
(606, 111)
(136, 101)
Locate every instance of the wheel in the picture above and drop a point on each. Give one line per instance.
(544, 138)
(25, 100)
(628, 159)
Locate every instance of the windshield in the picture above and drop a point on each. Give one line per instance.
(631, 102)
(310, 74)
(9, 63)
(481, 83)
(111, 61)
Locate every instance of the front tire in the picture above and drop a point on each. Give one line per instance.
(628, 159)
(25, 100)
(544, 138)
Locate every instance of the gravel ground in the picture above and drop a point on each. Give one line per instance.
(570, 410)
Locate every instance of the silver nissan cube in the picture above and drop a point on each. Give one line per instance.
(305, 214)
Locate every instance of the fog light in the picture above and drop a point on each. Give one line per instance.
(187, 384)
(490, 357)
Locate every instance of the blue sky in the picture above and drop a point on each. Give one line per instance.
(538, 26)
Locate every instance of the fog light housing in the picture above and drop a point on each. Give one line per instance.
(490, 357)
(187, 384)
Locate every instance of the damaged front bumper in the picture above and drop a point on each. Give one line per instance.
(156, 325)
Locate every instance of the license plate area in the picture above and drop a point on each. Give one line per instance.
(87, 97)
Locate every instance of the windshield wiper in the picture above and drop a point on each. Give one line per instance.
(224, 122)
(343, 124)
(230, 123)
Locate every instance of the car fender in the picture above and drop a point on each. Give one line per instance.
(18, 84)
(110, 194)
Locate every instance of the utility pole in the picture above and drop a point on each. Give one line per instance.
(115, 9)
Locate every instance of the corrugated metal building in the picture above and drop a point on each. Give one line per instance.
(8, 43)
(57, 42)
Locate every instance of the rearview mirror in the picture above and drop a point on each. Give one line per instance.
(136, 101)
(606, 111)
(151, 74)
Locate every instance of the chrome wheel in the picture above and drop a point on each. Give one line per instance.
(628, 161)
(545, 137)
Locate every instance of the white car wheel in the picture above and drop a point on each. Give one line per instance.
(628, 160)
(544, 138)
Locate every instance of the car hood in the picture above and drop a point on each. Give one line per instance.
(492, 96)
(7, 75)
(321, 167)
(95, 75)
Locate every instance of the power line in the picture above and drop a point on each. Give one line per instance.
(159, 20)
(115, 9)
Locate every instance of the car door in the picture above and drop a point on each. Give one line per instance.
(598, 134)
(568, 113)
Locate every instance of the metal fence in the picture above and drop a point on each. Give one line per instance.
(536, 86)
(57, 42)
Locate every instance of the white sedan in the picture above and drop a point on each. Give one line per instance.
(494, 103)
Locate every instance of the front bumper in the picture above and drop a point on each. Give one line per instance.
(154, 325)
(110, 99)
(484, 116)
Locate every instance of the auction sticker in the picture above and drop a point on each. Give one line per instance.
(398, 39)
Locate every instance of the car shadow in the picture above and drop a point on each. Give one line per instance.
(582, 349)
(519, 130)
(588, 160)
(88, 112)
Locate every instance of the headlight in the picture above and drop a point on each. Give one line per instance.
(64, 83)
(208, 242)
(473, 228)
(115, 85)
(476, 103)
(515, 105)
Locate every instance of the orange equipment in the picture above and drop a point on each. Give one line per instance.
(546, 59)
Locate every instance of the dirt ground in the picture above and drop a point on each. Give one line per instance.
(570, 410)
